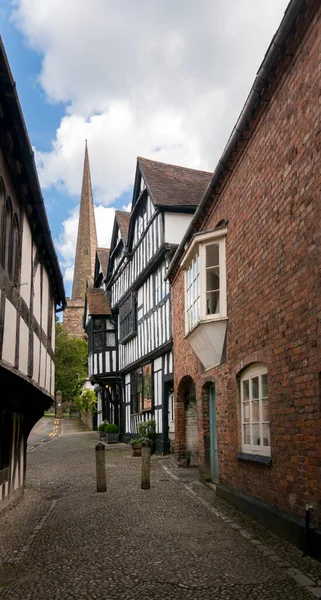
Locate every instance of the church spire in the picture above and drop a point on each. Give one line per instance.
(86, 237)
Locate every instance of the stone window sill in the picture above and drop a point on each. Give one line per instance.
(256, 458)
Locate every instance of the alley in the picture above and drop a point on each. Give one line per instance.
(63, 540)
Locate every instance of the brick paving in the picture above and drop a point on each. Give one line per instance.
(175, 541)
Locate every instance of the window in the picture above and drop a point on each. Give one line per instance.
(128, 318)
(110, 338)
(160, 286)
(141, 389)
(256, 438)
(205, 279)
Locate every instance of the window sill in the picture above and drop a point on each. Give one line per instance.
(204, 322)
(128, 337)
(256, 458)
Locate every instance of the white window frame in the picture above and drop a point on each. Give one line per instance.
(256, 370)
(198, 247)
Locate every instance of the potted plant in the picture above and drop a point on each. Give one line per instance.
(136, 445)
(101, 430)
(147, 433)
(112, 433)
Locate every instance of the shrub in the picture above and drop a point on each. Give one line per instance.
(101, 427)
(111, 428)
(147, 429)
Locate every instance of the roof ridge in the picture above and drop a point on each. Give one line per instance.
(159, 162)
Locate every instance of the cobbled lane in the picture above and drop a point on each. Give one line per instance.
(176, 540)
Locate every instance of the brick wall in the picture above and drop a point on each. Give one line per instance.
(272, 204)
(73, 318)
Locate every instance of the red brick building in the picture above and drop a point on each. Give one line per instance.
(246, 292)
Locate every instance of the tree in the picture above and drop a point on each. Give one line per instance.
(71, 363)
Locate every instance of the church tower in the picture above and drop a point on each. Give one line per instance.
(85, 256)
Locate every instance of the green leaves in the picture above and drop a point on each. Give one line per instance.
(71, 364)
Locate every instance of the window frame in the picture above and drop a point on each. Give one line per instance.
(198, 248)
(138, 379)
(126, 331)
(250, 373)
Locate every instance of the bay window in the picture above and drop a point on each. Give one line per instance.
(205, 279)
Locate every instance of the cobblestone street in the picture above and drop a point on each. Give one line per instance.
(63, 540)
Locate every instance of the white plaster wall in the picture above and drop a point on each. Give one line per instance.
(36, 298)
(36, 358)
(53, 334)
(52, 378)
(26, 261)
(175, 227)
(45, 300)
(48, 370)
(9, 337)
(23, 347)
(43, 354)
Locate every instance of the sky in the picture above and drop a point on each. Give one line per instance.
(163, 79)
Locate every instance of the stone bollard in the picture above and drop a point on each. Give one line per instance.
(58, 411)
(145, 483)
(100, 467)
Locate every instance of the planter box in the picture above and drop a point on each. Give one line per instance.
(137, 449)
(112, 438)
(102, 435)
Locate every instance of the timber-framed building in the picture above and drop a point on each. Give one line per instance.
(165, 198)
(30, 290)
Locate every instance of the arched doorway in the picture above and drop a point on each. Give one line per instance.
(186, 439)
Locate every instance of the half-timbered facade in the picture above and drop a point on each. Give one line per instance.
(100, 327)
(164, 200)
(30, 290)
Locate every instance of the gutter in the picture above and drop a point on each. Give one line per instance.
(273, 52)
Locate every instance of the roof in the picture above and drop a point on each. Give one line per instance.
(97, 302)
(25, 174)
(297, 17)
(103, 255)
(170, 185)
(122, 218)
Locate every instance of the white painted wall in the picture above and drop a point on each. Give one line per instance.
(45, 300)
(36, 298)
(175, 226)
(43, 354)
(53, 333)
(26, 261)
(52, 378)
(36, 358)
(9, 337)
(48, 370)
(23, 347)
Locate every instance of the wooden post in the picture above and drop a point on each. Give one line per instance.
(145, 483)
(100, 467)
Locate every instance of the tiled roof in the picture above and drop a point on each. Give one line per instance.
(103, 255)
(97, 302)
(122, 218)
(171, 185)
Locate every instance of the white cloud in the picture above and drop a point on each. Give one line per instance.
(161, 79)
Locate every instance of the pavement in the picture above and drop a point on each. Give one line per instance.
(65, 541)
(46, 429)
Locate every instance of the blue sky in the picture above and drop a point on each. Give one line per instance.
(171, 93)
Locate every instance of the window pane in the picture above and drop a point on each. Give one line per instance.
(198, 304)
(246, 433)
(212, 303)
(110, 338)
(212, 279)
(265, 410)
(212, 255)
(256, 435)
(198, 285)
(246, 390)
(266, 435)
(255, 387)
(255, 411)
(246, 411)
(264, 386)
